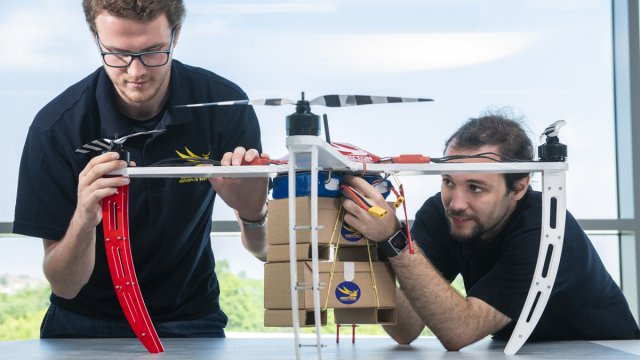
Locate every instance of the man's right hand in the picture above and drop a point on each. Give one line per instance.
(68, 262)
(94, 185)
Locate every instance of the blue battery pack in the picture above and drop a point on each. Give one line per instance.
(328, 185)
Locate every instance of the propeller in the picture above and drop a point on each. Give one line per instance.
(303, 121)
(100, 146)
(552, 149)
(324, 100)
(552, 130)
(103, 145)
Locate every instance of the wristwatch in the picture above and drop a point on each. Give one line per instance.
(396, 243)
(254, 224)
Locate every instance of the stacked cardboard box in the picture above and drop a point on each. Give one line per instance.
(359, 288)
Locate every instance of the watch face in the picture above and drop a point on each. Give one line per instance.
(399, 241)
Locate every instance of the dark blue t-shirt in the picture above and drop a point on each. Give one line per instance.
(585, 302)
(169, 218)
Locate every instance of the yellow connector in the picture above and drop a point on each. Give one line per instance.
(377, 211)
(398, 202)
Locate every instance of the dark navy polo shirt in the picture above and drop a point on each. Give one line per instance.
(170, 219)
(585, 302)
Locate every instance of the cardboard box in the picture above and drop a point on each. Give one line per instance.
(380, 316)
(280, 253)
(358, 253)
(350, 287)
(282, 318)
(328, 211)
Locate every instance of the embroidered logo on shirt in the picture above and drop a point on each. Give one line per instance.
(190, 156)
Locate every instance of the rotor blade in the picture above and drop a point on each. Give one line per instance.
(553, 129)
(266, 102)
(98, 145)
(353, 100)
(272, 102)
(124, 138)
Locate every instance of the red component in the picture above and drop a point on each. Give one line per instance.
(411, 159)
(115, 224)
(353, 333)
(261, 161)
(256, 161)
(406, 219)
(354, 153)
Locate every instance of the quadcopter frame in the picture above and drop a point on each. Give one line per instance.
(310, 153)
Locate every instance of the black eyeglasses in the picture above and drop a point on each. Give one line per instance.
(118, 59)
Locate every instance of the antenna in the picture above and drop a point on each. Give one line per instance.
(326, 128)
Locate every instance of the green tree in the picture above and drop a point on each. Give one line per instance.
(21, 313)
(242, 299)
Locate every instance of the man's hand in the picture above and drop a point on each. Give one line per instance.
(373, 227)
(68, 262)
(93, 186)
(248, 196)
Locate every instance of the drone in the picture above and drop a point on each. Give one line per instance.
(301, 122)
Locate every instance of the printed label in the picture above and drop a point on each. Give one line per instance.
(348, 292)
(350, 234)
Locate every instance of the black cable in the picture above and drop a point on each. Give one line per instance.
(185, 162)
(484, 155)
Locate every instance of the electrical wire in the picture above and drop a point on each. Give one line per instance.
(185, 162)
(362, 202)
(484, 155)
(356, 197)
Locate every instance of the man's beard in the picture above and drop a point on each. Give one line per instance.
(155, 83)
(137, 97)
(475, 232)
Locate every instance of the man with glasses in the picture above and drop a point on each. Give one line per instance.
(60, 191)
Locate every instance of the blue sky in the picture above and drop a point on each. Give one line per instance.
(546, 59)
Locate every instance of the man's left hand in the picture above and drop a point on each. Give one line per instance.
(247, 195)
(373, 227)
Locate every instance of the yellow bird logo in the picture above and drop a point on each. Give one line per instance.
(190, 156)
(349, 293)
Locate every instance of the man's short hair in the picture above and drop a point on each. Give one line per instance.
(138, 10)
(495, 130)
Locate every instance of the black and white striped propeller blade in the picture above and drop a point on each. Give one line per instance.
(353, 100)
(325, 100)
(102, 145)
(553, 129)
(99, 146)
(266, 102)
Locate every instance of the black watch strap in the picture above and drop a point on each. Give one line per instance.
(396, 243)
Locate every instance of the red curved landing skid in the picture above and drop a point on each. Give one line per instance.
(115, 223)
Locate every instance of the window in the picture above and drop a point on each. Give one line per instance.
(547, 60)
